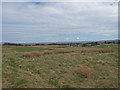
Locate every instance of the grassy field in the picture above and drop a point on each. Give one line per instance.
(86, 67)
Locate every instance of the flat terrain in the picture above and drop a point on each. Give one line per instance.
(86, 67)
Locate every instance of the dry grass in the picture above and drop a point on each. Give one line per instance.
(32, 54)
(62, 69)
(99, 50)
(47, 52)
(27, 54)
(102, 50)
(63, 51)
(83, 71)
(37, 53)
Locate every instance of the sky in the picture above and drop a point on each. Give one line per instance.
(59, 21)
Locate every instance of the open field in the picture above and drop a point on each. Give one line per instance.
(64, 67)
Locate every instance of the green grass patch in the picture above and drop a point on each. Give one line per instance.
(29, 49)
(22, 81)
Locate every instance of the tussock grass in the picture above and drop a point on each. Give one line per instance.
(27, 54)
(63, 51)
(48, 52)
(102, 50)
(98, 50)
(83, 71)
(32, 54)
(37, 53)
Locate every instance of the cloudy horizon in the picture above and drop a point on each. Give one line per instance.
(59, 21)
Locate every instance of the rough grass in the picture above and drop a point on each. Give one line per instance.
(83, 71)
(82, 68)
(38, 54)
(32, 54)
(101, 50)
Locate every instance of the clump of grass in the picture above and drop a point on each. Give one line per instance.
(53, 81)
(101, 50)
(64, 70)
(83, 71)
(63, 51)
(47, 52)
(67, 86)
(22, 81)
(37, 53)
(32, 54)
(27, 54)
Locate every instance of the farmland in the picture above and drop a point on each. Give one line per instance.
(80, 67)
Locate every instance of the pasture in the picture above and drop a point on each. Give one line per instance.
(64, 67)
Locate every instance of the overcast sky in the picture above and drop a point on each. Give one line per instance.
(49, 22)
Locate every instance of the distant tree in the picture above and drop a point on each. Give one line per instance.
(113, 42)
(105, 42)
(84, 45)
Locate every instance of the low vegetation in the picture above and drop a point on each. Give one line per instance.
(52, 67)
(38, 53)
(83, 71)
(29, 49)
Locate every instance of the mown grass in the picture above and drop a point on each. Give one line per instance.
(82, 68)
